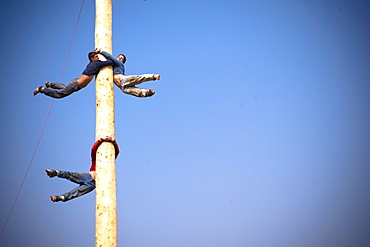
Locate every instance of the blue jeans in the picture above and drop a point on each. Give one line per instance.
(85, 180)
(59, 90)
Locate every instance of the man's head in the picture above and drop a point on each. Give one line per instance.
(93, 56)
(122, 58)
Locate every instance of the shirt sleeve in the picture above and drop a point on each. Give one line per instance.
(107, 63)
(94, 67)
(116, 148)
(111, 57)
(94, 149)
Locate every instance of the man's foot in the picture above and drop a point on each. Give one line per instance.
(157, 76)
(51, 173)
(37, 90)
(47, 84)
(56, 198)
(150, 92)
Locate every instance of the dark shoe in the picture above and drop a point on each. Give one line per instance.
(150, 92)
(56, 198)
(51, 173)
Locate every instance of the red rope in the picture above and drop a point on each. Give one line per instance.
(43, 129)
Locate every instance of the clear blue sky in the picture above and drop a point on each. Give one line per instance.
(258, 135)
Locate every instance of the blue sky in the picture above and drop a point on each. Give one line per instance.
(258, 133)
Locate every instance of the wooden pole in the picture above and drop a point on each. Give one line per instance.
(106, 203)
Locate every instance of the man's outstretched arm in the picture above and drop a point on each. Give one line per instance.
(109, 56)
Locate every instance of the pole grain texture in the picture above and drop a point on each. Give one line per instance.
(106, 198)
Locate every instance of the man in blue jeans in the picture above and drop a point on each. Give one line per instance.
(59, 90)
(127, 82)
(85, 180)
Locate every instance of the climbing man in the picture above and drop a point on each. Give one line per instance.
(59, 90)
(127, 83)
(85, 180)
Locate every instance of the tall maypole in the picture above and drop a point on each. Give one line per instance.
(106, 203)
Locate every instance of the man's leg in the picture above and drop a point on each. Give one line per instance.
(138, 92)
(128, 84)
(55, 85)
(85, 180)
(79, 191)
(70, 88)
(75, 177)
(132, 80)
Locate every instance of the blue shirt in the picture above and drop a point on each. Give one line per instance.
(94, 67)
(119, 66)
